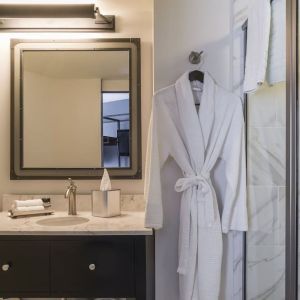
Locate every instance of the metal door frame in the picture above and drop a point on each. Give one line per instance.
(291, 281)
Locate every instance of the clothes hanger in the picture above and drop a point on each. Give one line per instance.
(196, 75)
(195, 59)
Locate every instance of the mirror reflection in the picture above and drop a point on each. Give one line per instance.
(116, 129)
(76, 109)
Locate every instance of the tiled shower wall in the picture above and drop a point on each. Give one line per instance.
(266, 194)
(265, 240)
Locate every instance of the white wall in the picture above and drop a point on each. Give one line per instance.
(62, 122)
(134, 18)
(181, 26)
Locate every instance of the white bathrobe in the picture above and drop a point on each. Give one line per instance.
(209, 148)
(258, 34)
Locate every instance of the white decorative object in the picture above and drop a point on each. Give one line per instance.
(106, 203)
(105, 182)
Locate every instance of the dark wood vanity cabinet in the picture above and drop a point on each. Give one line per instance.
(25, 267)
(77, 266)
(103, 267)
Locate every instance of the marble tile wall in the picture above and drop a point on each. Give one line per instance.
(265, 240)
(266, 194)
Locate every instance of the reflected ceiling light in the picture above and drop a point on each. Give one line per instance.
(57, 17)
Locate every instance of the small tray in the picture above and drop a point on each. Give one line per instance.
(17, 214)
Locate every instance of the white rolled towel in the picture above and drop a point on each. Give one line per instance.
(29, 208)
(28, 203)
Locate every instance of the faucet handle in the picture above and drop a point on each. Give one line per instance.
(72, 183)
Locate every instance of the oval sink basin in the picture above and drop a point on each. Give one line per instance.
(62, 221)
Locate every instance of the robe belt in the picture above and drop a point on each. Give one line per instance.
(205, 193)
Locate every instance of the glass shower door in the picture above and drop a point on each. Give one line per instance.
(265, 240)
(266, 164)
(272, 244)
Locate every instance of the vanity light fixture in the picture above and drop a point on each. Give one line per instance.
(54, 17)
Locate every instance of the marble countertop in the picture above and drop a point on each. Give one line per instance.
(128, 223)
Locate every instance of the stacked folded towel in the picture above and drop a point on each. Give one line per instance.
(28, 205)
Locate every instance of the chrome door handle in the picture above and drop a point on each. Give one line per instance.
(92, 267)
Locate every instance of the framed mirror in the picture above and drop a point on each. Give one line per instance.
(75, 109)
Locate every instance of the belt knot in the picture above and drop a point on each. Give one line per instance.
(200, 180)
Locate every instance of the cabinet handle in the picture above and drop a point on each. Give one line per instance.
(5, 267)
(92, 267)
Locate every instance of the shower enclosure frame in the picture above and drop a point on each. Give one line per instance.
(292, 151)
(291, 261)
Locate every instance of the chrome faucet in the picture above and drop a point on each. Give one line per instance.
(71, 195)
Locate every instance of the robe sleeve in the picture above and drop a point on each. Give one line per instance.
(234, 215)
(156, 155)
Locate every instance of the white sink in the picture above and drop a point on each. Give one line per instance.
(62, 221)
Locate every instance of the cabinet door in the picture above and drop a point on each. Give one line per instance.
(24, 267)
(102, 267)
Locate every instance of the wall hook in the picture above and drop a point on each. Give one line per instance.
(195, 57)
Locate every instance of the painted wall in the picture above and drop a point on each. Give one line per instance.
(62, 122)
(134, 18)
(181, 26)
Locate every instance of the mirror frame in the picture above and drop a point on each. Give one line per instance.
(18, 46)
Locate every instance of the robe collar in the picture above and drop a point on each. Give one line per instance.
(197, 126)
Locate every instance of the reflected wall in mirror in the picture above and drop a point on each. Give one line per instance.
(62, 124)
(76, 109)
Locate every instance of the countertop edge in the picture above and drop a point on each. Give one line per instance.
(77, 233)
(106, 226)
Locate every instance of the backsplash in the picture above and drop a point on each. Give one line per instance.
(128, 202)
